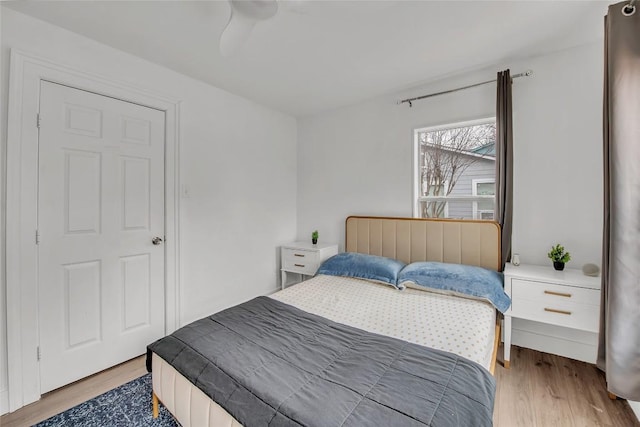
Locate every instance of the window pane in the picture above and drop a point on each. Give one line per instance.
(486, 205)
(460, 209)
(433, 210)
(433, 190)
(449, 161)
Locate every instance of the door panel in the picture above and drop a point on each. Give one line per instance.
(135, 295)
(82, 191)
(136, 182)
(100, 203)
(82, 320)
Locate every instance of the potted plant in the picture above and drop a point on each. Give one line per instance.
(314, 237)
(559, 257)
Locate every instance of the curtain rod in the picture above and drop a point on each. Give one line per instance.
(410, 100)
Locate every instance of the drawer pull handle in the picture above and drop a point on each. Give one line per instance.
(300, 255)
(553, 310)
(299, 265)
(559, 294)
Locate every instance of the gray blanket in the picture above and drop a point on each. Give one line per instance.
(270, 364)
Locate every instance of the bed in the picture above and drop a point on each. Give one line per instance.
(347, 317)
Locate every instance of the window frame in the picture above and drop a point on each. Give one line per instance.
(416, 162)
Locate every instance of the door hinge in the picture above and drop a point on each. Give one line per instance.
(38, 353)
(38, 120)
(37, 237)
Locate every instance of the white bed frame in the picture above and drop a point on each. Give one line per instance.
(407, 239)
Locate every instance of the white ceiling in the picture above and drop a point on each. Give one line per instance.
(317, 55)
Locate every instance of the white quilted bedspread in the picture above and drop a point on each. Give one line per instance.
(459, 325)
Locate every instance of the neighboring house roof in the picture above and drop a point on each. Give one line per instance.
(487, 152)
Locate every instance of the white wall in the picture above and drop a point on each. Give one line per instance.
(237, 158)
(358, 159)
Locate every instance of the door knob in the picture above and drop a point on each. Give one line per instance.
(156, 240)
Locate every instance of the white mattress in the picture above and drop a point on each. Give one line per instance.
(462, 326)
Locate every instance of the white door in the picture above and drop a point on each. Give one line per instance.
(100, 205)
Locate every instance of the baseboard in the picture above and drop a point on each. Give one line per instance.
(636, 408)
(4, 401)
(571, 343)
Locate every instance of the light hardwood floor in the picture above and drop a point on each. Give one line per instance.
(543, 390)
(539, 390)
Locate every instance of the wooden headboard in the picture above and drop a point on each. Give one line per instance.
(414, 239)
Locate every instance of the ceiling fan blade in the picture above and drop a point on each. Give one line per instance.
(256, 9)
(245, 14)
(235, 33)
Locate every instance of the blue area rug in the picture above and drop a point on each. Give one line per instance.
(127, 405)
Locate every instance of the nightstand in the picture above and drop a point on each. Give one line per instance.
(304, 258)
(541, 294)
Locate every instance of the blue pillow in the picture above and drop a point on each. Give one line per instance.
(361, 266)
(461, 279)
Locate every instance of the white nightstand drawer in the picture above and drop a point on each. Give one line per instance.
(550, 293)
(302, 266)
(304, 258)
(562, 313)
(300, 256)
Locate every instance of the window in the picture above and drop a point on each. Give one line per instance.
(455, 168)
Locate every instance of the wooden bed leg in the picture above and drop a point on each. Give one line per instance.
(494, 355)
(507, 364)
(612, 396)
(155, 405)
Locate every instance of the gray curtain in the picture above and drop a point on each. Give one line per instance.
(504, 161)
(619, 346)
